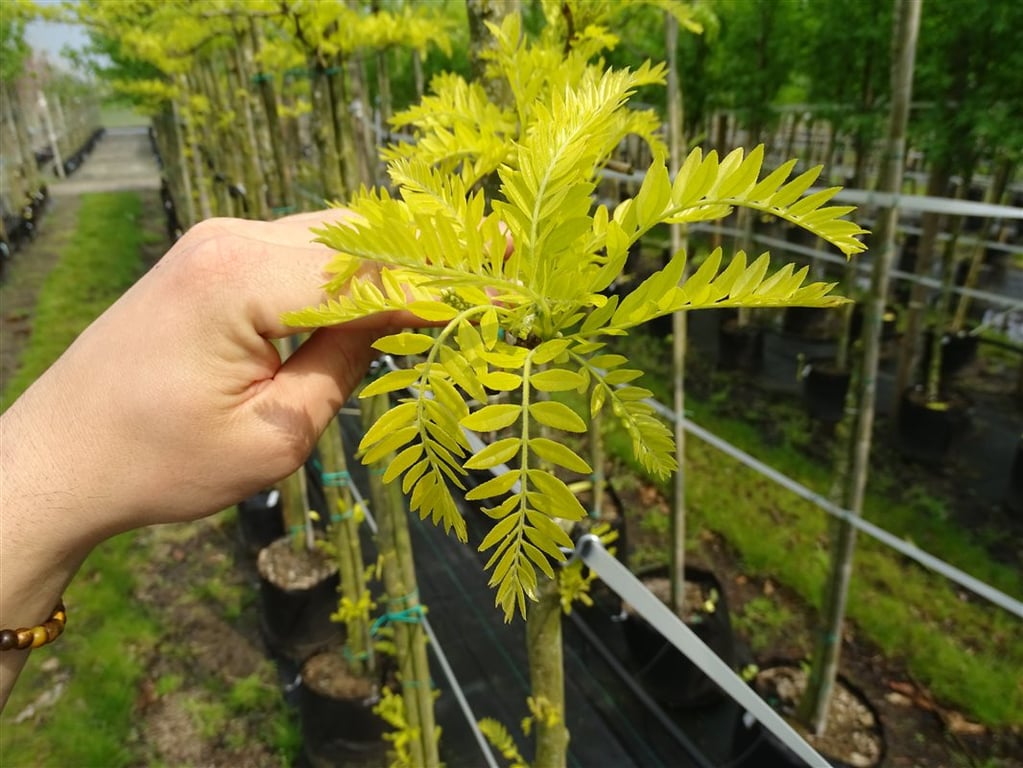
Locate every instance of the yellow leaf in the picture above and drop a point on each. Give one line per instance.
(552, 451)
(557, 415)
(556, 380)
(492, 417)
(404, 343)
(495, 453)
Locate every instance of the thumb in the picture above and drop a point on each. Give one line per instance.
(322, 373)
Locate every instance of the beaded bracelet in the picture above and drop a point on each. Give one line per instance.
(34, 637)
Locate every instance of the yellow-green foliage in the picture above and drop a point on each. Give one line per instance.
(502, 741)
(391, 709)
(534, 319)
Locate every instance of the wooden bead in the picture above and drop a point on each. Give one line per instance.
(39, 637)
(34, 637)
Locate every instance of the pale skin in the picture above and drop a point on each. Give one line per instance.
(172, 405)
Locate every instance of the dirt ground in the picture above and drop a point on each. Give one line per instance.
(195, 705)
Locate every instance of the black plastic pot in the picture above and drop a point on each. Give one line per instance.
(824, 390)
(756, 747)
(296, 621)
(889, 323)
(815, 323)
(927, 430)
(341, 732)
(1014, 493)
(260, 520)
(740, 347)
(668, 675)
(958, 350)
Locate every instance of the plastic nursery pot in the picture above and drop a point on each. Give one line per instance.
(889, 323)
(927, 430)
(812, 323)
(824, 390)
(668, 675)
(958, 350)
(854, 737)
(298, 591)
(740, 347)
(339, 727)
(1014, 493)
(260, 520)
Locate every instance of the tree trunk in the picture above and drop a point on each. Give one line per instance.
(58, 159)
(547, 675)
(183, 173)
(347, 165)
(995, 190)
(361, 122)
(678, 518)
(220, 141)
(404, 610)
(16, 114)
(479, 12)
(931, 222)
(417, 74)
(322, 118)
(285, 186)
(344, 527)
(252, 159)
(814, 707)
(294, 488)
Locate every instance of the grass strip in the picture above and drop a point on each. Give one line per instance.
(100, 261)
(97, 660)
(79, 698)
(964, 649)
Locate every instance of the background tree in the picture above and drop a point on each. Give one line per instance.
(851, 477)
(967, 50)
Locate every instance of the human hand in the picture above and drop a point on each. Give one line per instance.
(175, 403)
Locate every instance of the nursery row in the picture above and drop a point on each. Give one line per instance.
(260, 113)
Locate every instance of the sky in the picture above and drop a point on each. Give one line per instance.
(51, 37)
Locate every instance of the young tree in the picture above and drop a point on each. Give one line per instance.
(824, 666)
(967, 55)
(535, 321)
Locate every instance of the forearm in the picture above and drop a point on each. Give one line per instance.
(48, 522)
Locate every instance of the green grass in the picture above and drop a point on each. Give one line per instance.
(111, 637)
(100, 261)
(118, 115)
(965, 650)
(106, 632)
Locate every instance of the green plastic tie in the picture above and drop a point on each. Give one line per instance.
(405, 599)
(338, 517)
(418, 684)
(347, 653)
(411, 615)
(336, 479)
